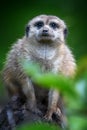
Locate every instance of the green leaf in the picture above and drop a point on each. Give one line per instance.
(31, 68)
(78, 123)
(38, 126)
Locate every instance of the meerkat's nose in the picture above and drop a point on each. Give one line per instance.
(45, 30)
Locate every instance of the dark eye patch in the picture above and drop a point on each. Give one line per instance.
(39, 24)
(54, 25)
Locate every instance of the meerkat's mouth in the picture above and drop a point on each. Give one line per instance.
(45, 37)
(45, 34)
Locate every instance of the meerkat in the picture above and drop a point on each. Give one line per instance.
(43, 43)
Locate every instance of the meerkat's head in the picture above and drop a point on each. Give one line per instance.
(46, 29)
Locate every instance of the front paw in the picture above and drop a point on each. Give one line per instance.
(47, 117)
(49, 114)
(58, 112)
(60, 118)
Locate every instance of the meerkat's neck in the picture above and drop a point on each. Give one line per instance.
(44, 51)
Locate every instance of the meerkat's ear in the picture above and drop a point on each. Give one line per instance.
(65, 32)
(27, 30)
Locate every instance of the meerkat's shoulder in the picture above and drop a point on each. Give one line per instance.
(18, 45)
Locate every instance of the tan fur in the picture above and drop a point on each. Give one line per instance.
(51, 53)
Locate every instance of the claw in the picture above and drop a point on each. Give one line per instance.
(62, 117)
(48, 115)
(58, 112)
(48, 118)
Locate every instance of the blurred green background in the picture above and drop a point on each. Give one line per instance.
(14, 16)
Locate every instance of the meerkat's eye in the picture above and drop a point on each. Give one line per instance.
(54, 25)
(39, 24)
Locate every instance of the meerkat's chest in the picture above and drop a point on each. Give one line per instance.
(48, 58)
(46, 53)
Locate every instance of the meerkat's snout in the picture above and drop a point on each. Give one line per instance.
(45, 34)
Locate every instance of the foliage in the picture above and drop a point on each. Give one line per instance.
(39, 126)
(74, 91)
